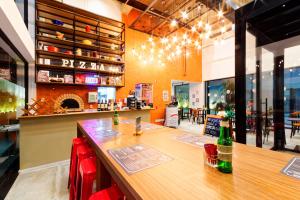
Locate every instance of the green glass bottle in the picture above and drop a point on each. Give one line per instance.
(116, 118)
(225, 148)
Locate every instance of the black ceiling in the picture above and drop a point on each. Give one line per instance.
(275, 21)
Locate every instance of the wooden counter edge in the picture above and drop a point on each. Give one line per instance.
(80, 113)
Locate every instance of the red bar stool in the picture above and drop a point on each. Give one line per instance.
(83, 152)
(76, 142)
(86, 180)
(112, 193)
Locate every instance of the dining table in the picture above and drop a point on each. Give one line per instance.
(178, 170)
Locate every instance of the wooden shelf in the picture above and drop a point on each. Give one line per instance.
(77, 84)
(99, 71)
(111, 51)
(54, 40)
(76, 69)
(85, 46)
(79, 45)
(54, 27)
(112, 62)
(42, 66)
(86, 58)
(111, 40)
(105, 33)
(59, 54)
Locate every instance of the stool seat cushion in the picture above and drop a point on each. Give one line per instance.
(112, 193)
(88, 166)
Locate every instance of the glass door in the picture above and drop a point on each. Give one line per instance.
(273, 94)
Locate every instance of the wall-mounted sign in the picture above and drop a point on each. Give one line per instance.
(165, 95)
(92, 97)
(67, 63)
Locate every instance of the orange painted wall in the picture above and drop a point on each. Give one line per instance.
(160, 77)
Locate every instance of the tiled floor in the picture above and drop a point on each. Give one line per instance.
(44, 183)
(251, 138)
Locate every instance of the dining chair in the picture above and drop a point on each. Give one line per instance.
(295, 124)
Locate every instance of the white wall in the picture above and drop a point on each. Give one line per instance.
(12, 24)
(107, 8)
(218, 61)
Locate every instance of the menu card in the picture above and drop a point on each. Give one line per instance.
(193, 139)
(138, 157)
(102, 133)
(293, 168)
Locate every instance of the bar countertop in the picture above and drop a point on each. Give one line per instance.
(256, 172)
(86, 111)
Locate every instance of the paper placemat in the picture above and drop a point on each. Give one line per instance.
(105, 133)
(148, 126)
(293, 168)
(138, 157)
(195, 140)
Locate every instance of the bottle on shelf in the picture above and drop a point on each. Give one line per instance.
(106, 105)
(99, 106)
(225, 148)
(102, 105)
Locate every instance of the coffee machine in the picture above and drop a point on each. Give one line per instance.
(131, 100)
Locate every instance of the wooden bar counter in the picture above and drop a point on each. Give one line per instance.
(256, 172)
(46, 139)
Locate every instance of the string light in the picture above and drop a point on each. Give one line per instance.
(184, 15)
(220, 13)
(175, 39)
(223, 29)
(173, 23)
(169, 48)
(194, 29)
(207, 27)
(200, 24)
